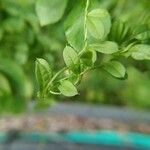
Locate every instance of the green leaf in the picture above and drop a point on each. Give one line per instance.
(50, 11)
(67, 88)
(75, 34)
(140, 52)
(107, 47)
(43, 73)
(71, 58)
(115, 68)
(98, 23)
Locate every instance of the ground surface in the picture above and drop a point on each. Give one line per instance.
(66, 117)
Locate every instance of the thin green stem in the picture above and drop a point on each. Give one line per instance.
(85, 28)
(54, 77)
(91, 68)
(55, 93)
(85, 20)
(86, 71)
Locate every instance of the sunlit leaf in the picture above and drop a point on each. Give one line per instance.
(98, 23)
(106, 47)
(71, 58)
(115, 68)
(67, 88)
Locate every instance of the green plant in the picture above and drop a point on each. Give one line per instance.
(94, 41)
(22, 40)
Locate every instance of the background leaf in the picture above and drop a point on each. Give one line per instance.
(14, 73)
(140, 52)
(50, 11)
(120, 31)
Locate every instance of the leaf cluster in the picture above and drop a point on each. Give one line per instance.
(91, 33)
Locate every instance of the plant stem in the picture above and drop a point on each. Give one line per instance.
(91, 68)
(85, 28)
(54, 77)
(85, 20)
(86, 71)
(55, 93)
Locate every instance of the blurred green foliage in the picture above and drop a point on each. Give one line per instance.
(22, 39)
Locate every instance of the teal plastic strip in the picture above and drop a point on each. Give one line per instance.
(110, 138)
(102, 137)
(106, 137)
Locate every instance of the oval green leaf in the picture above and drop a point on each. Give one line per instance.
(71, 58)
(98, 23)
(115, 68)
(43, 73)
(67, 88)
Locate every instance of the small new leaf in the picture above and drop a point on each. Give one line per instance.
(140, 52)
(98, 23)
(115, 68)
(43, 73)
(67, 88)
(107, 47)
